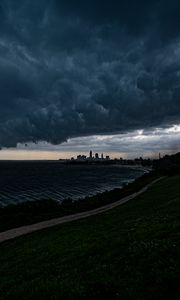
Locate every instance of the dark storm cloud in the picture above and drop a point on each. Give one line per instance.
(75, 68)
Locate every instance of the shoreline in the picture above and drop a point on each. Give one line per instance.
(61, 183)
(28, 213)
(121, 185)
(17, 232)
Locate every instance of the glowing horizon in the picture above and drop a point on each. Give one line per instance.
(133, 144)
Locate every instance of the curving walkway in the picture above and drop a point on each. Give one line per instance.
(16, 232)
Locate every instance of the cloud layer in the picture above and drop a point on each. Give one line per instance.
(77, 68)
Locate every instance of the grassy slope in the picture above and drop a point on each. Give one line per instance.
(131, 252)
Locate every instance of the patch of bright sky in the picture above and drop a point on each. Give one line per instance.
(134, 144)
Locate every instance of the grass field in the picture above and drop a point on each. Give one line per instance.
(131, 252)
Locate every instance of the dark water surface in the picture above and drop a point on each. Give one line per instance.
(26, 181)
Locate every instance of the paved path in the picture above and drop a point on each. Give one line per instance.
(16, 232)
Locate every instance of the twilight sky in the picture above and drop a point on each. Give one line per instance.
(84, 74)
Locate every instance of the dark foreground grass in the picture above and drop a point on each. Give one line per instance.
(131, 252)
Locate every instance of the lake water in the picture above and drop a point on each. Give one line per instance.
(27, 181)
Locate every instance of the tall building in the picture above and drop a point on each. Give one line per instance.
(102, 156)
(96, 155)
(90, 154)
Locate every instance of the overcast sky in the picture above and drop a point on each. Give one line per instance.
(98, 74)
